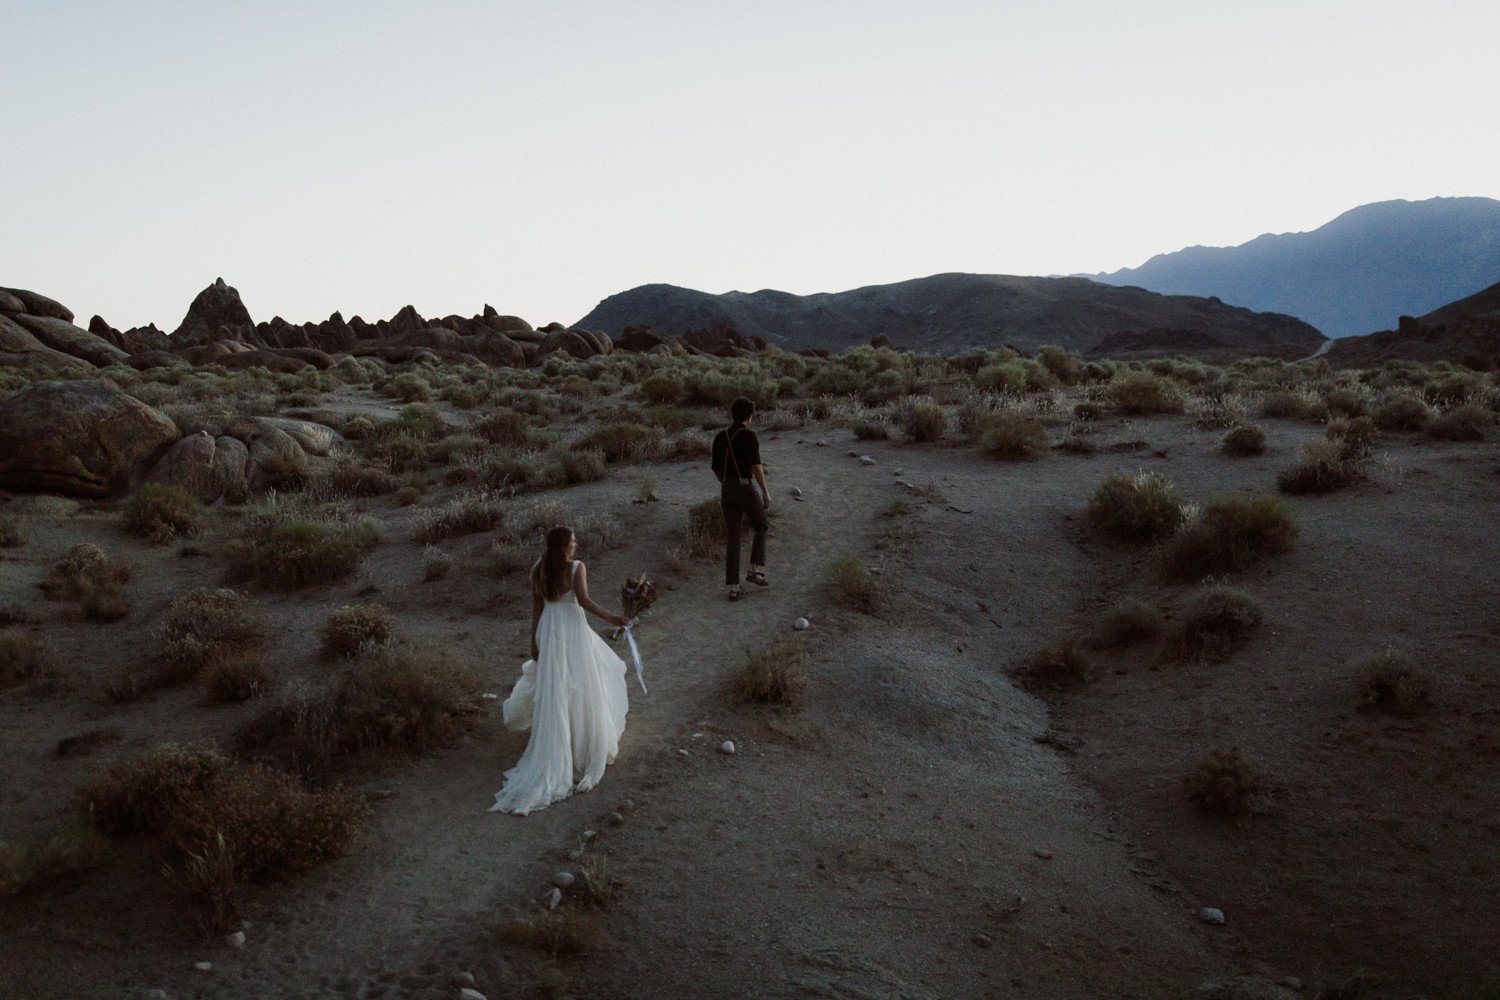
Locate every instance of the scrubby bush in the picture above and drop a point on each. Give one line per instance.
(506, 559)
(460, 396)
(1060, 663)
(235, 677)
(67, 851)
(1355, 437)
(668, 417)
(706, 530)
(22, 658)
(409, 388)
(435, 564)
(1244, 440)
(1216, 622)
(1142, 393)
(1394, 683)
(850, 583)
(1283, 403)
(350, 628)
(350, 479)
(141, 796)
(1324, 469)
(1125, 623)
(204, 627)
(1065, 366)
(162, 512)
(357, 428)
(506, 427)
(1401, 412)
(1135, 508)
(91, 578)
(453, 447)
(574, 467)
(1225, 784)
(1228, 534)
(464, 515)
(778, 674)
(408, 495)
(408, 697)
(1088, 410)
(1343, 403)
(1462, 423)
(1012, 436)
(295, 554)
(871, 430)
(661, 390)
(832, 379)
(925, 422)
(618, 442)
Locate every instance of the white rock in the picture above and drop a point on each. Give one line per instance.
(553, 898)
(563, 880)
(588, 835)
(727, 746)
(866, 460)
(468, 994)
(683, 752)
(1211, 915)
(204, 966)
(822, 444)
(236, 940)
(464, 979)
(898, 472)
(1042, 853)
(800, 624)
(487, 696)
(795, 492)
(853, 454)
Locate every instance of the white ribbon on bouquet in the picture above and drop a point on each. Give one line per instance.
(635, 652)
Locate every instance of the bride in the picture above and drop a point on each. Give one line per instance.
(571, 693)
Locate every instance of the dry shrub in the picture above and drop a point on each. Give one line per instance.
(12, 536)
(141, 796)
(777, 675)
(689, 447)
(504, 427)
(1402, 412)
(1324, 469)
(1355, 436)
(1143, 393)
(1244, 441)
(850, 583)
(506, 559)
(706, 530)
(454, 447)
(350, 479)
(236, 677)
(1230, 533)
(23, 657)
(1462, 423)
(462, 397)
(1343, 403)
(96, 582)
(410, 697)
(296, 554)
(575, 467)
(409, 388)
(273, 826)
(925, 422)
(435, 563)
(357, 428)
(465, 515)
(162, 512)
(1283, 403)
(210, 875)
(350, 628)
(676, 558)
(871, 430)
(566, 931)
(67, 851)
(408, 495)
(202, 628)
(1126, 623)
(1394, 683)
(625, 441)
(661, 390)
(1216, 621)
(1088, 410)
(1225, 784)
(1012, 436)
(1060, 663)
(1065, 366)
(1135, 508)
(1077, 444)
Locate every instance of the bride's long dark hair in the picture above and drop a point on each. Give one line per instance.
(551, 576)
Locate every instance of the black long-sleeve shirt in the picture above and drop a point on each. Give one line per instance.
(736, 452)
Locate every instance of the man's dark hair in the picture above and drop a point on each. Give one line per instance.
(741, 410)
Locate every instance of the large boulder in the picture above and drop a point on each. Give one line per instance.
(217, 313)
(320, 360)
(147, 360)
(312, 438)
(496, 349)
(81, 438)
(567, 340)
(269, 360)
(437, 337)
(276, 458)
(208, 467)
(334, 335)
(721, 341)
(140, 339)
(511, 326)
(60, 335)
(38, 305)
(641, 339)
(10, 304)
(600, 342)
(16, 342)
(407, 321)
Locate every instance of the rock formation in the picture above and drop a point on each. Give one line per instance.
(217, 313)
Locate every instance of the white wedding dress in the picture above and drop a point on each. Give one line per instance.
(573, 699)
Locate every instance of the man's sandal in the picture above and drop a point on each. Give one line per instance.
(757, 578)
(734, 595)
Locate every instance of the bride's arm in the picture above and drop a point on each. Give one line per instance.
(537, 604)
(581, 588)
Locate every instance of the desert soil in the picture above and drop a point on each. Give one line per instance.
(924, 826)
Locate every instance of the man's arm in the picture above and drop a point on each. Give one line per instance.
(760, 477)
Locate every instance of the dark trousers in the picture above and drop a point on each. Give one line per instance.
(742, 498)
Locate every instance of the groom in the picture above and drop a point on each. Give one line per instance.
(737, 464)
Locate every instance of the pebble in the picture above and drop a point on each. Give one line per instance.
(984, 940)
(798, 499)
(866, 460)
(487, 696)
(1042, 853)
(683, 752)
(615, 819)
(822, 444)
(795, 492)
(1211, 915)
(236, 940)
(463, 979)
(204, 966)
(589, 835)
(553, 898)
(626, 806)
(470, 994)
(853, 454)
(898, 472)
(800, 624)
(727, 746)
(575, 855)
(563, 880)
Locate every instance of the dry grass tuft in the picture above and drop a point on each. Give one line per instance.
(410, 697)
(596, 881)
(567, 931)
(1244, 441)
(706, 530)
(1060, 663)
(1402, 412)
(850, 583)
(96, 582)
(465, 515)
(1225, 784)
(67, 851)
(294, 554)
(203, 628)
(925, 422)
(408, 495)
(140, 796)
(1462, 423)
(871, 430)
(1216, 621)
(1012, 436)
(236, 677)
(350, 479)
(626, 441)
(574, 467)
(1325, 468)
(777, 675)
(1126, 623)
(1143, 393)
(504, 427)
(1135, 508)
(435, 564)
(506, 558)
(162, 512)
(1395, 683)
(1230, 533)
(23, 658)
(350, 629)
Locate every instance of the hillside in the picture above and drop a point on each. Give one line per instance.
(1353, 275)
(1465, 332)
(952, 312)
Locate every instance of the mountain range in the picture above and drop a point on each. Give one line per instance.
(1354, 275)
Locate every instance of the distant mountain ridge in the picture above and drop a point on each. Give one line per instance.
(952, 312)
(1354, 275)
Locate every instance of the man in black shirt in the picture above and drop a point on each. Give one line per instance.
(737, 464)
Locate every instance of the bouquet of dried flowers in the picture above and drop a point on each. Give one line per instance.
(636, 596)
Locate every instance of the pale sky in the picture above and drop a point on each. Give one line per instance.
(541, 156)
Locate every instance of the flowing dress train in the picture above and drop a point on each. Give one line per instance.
(573, 699)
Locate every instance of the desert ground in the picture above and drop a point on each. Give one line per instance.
(947, 809)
